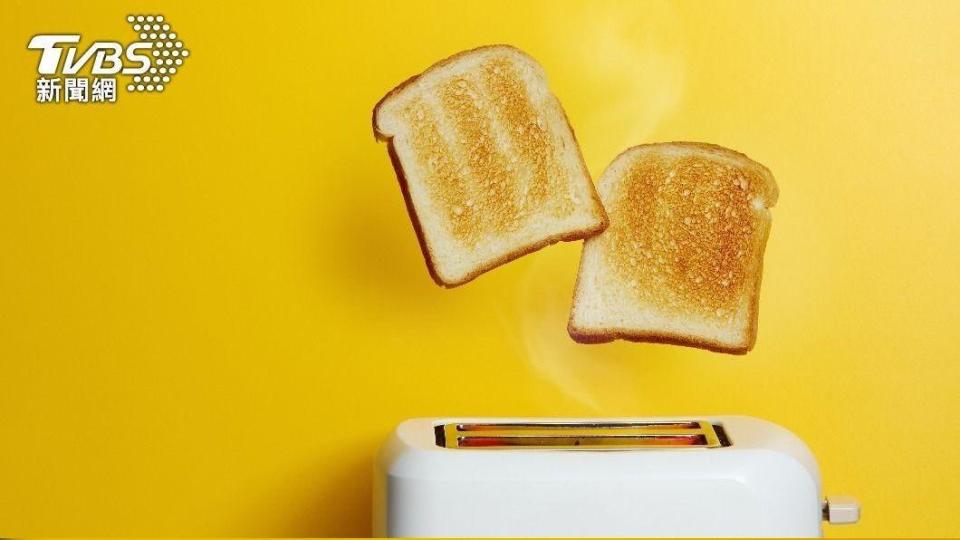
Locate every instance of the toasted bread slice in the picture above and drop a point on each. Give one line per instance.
(682, 259)
(487, 161)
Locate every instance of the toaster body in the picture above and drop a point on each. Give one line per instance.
(712, 476)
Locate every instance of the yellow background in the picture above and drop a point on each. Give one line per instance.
(213, 306)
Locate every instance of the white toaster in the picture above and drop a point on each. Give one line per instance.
(703, 476)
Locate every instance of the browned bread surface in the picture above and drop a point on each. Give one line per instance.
(489, 165)
(682, 259)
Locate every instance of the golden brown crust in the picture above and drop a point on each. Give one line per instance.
(377, 134)
(428, 256)
(412, 212)
(715, 149)
(380, 135)
(686, 230)
(593, 338)
(536, 246)
(595, 197)
(708, 278)
(455, 102)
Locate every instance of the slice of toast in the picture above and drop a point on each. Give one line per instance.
(487, 162)
(682, 259)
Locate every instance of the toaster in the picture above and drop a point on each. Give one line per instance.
(690, 476)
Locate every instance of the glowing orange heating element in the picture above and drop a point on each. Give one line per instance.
(583, 435)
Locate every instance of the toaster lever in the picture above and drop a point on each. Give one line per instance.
(841, 509)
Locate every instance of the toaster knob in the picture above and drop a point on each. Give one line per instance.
(840, 509)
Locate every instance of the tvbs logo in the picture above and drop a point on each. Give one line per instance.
(149, 64)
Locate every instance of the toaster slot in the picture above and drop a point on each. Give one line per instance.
(583, 435)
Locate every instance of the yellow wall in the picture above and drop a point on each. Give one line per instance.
(213, 306)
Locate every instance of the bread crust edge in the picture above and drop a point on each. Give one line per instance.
(598, 336)
(382, 136)
(428, 256)
(773, 193)
(594, 338)
(578, 234)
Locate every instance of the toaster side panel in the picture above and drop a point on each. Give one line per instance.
(750, 493)
(765, 484)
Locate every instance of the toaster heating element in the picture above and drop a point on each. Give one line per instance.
(613, 477)
(573, 435)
